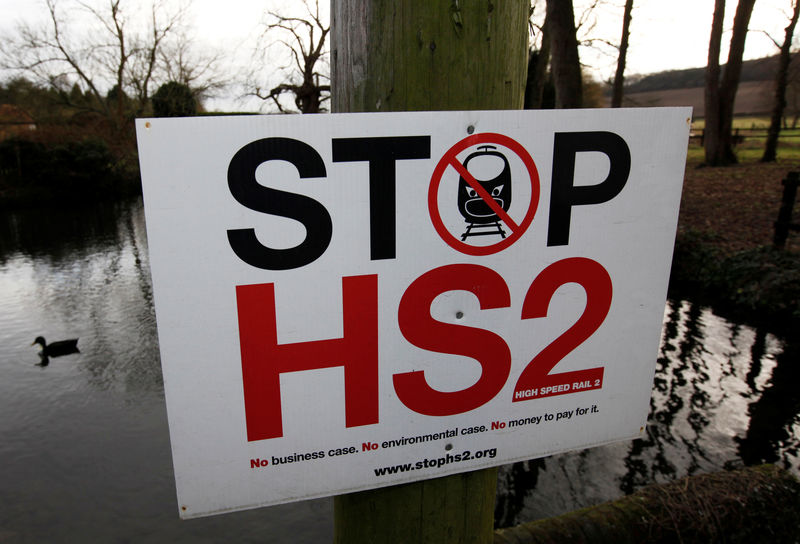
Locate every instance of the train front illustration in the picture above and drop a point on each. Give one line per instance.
(490, 169)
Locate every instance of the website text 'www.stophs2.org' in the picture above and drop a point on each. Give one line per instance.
(437, 462)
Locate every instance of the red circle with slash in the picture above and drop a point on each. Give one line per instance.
(449, 159)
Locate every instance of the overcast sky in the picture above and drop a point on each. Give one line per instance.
(665, 34)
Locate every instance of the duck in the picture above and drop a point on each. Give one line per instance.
(57, 349)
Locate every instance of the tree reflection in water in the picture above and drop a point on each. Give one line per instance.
(724, 395)
(773, 435)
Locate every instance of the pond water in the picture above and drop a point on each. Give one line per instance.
(84, 444)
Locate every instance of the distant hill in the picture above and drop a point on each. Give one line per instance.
(752, 70)
(686, 88)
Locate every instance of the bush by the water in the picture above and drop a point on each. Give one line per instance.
(762, 281)
(87, 168)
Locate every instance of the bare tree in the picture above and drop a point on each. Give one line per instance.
(589, 36)
(539, 89)
(182, 63)
(619, 76)
(711, 132)
(792, 95)
(147, 49)
(781, 83)
(721, 93)
(307, 79)
(538, 60)
(537, 79)
(113, 54)
(565, 63)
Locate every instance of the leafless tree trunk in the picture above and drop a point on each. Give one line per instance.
(719, 143)
(711, 131)
(730, 78)
(792, 95)
(781, 82)
(619, 76)
(565, 63)
(537, 71)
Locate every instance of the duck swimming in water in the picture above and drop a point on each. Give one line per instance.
(57, 349)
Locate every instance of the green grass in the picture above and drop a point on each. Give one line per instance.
(748, 152)
(749, 121)
(752, 148)
(760, 122)
(753, 155)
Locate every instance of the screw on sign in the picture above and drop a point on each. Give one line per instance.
(483, 203)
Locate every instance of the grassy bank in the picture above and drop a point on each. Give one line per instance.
(759, 286)
(756, 504)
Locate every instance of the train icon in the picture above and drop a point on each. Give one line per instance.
(490, 169)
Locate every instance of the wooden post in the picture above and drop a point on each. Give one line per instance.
(453, 509)
(784, 222)
(405, 55)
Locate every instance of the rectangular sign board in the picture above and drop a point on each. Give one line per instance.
(354, 301)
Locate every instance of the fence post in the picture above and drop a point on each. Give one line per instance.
(784, 221)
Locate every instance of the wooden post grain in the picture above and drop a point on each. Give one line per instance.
(406, 55)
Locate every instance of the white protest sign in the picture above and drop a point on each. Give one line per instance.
(357, 300)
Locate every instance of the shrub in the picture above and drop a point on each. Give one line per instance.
(761, 283)
(174, 99)
(68, 169)
(764, 280)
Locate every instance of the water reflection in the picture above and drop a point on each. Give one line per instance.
(724, 395)
(81, 272)
(85, 453)
(774, 430)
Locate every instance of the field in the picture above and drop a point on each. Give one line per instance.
(752, 98)
(752, 131)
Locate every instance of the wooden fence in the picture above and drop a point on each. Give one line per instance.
(740, 135)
